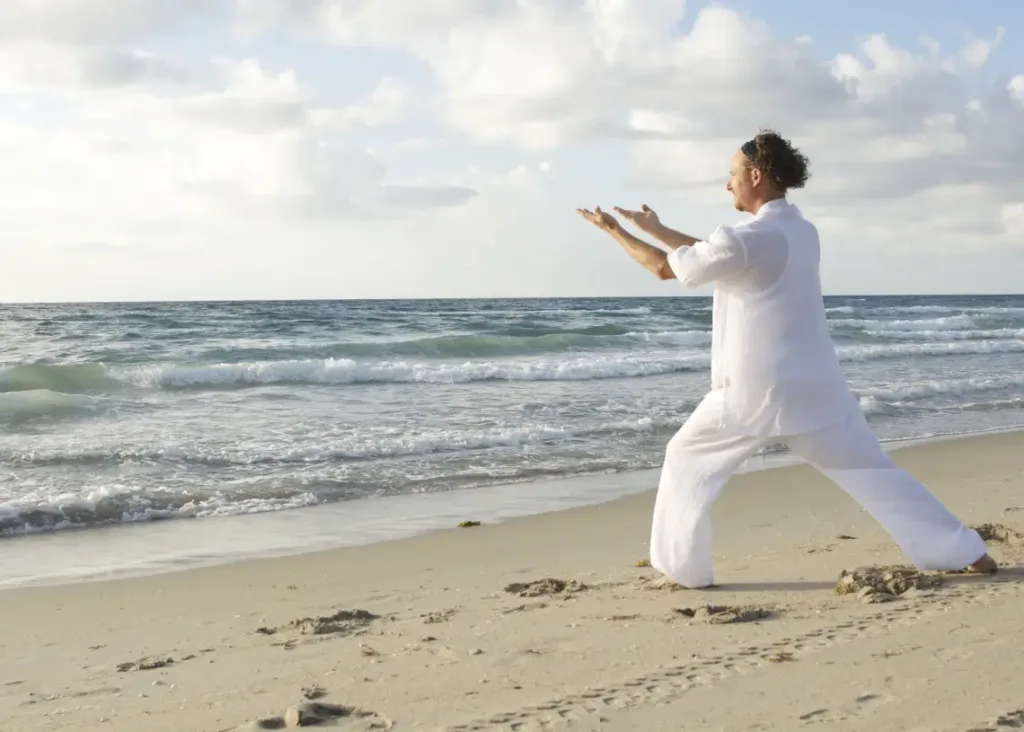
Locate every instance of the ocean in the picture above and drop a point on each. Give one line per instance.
(115, 414)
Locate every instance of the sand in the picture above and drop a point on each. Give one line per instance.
(552, 622)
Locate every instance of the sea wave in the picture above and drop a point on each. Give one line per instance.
(353, 447)
(515, 340)
(950, 387)
(106, 505)
(953, 322)
(93, 378)
(866, 352)
(946, 335)
(874, 309)
(84, 378)
(16, 406)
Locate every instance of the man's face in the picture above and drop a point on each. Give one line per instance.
(743, 181)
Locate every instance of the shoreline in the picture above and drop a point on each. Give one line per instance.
(125, 551)
(541, 621)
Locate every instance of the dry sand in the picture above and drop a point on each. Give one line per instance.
(546, 623)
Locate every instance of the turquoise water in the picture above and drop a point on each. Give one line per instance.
(129, 413)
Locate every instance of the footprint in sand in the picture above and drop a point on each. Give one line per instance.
(314, 713)
(660, 583)
(999, 534)
(723, 614)
(150, 663)
(882, 584)
(343, 622)
(547, 586)
(439, 616)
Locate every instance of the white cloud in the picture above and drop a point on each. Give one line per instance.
(79, 22)
(408, 137)
(386, 104)
(1016, 88)
(38, 66)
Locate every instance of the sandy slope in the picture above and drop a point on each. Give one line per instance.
(443, 644)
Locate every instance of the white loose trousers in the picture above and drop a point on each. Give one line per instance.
(701, 457)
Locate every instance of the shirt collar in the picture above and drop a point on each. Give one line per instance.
(779, 205)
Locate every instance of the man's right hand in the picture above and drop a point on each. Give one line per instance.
(600, 219)
(645, 219)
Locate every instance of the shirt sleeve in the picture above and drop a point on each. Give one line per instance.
(722, 256)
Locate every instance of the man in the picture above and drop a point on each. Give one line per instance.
(775, 377)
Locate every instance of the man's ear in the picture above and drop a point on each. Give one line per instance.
(755, 176)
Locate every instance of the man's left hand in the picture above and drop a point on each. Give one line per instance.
(604, 221)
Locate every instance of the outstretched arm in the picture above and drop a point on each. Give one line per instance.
(647, 221)
(652, 258)
(671, 238)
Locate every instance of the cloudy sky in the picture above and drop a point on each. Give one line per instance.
(207, 149)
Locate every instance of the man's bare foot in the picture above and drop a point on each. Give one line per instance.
(985, 565)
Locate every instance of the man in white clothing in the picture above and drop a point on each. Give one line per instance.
(775, 377)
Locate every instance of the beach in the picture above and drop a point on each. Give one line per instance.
(544, 622)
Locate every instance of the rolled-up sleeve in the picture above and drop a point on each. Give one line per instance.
(722, 256)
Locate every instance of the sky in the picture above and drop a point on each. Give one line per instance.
(308, 149)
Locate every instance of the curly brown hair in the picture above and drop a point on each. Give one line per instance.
(783, 165)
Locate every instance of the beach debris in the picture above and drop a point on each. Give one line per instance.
(821, 548)
(882, 584)
(468, 524)
(148, 663)
(368, 650)
(438, 616)
(779, 657)
(547, 586)
(314, 713)
(524, 607)
(313, 692)
(846, 537)
(1000, 534)
(643, 562)
(308, 714)
(871, 596)
(343, 622)
(723, 614)
(262, 723)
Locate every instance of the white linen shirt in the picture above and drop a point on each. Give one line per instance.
(772, 356)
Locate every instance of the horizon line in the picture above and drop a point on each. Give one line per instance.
(470, 298)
